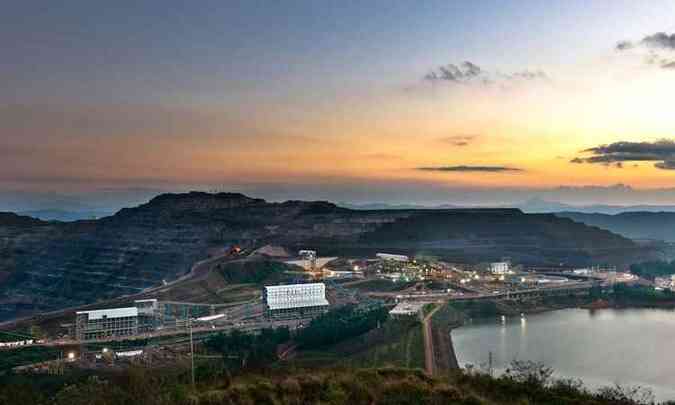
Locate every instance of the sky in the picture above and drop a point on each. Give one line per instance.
(404, 101)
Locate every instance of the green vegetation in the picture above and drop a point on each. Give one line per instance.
(427, 308)
(523, 383)
(395, 344)
(16, 335)
(252, 271)
(26, 355)
(476, 309)
(248, 348)
(651, 270)
(340, 324)
(640, 295)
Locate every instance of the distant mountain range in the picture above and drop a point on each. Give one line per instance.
(533, 205)
(65, 216)
(634, 225)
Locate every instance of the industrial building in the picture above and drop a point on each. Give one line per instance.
(391, 257)
(500, 268)
(106, 323)
(148, 314)
(407, 310)
(294, 300)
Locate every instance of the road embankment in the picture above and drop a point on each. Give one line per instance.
(440, 324)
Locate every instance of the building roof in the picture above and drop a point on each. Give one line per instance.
(296, 296)
(388, 256)
(110, 313)
(288, 287)
(407, 308)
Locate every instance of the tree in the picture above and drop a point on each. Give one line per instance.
(529, 372)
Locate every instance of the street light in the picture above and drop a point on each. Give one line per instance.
(71, 355)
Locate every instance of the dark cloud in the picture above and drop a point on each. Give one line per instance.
(459, 140)
(656, 44)
(662, 152)
(665, 165)
(660, 40)
(468, 72)
(465, 168)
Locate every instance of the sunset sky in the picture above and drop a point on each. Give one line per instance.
(413, 101)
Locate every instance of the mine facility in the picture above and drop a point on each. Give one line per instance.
(294, 300)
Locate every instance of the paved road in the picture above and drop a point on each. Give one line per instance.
(431, 297)
(250, 326)
(429, 358)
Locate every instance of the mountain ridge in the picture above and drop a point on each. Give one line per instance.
(634, 225)
(49, 265)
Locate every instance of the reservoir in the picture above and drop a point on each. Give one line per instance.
(601, 347)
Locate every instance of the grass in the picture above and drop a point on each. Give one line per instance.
(328, 386)
(395, 343)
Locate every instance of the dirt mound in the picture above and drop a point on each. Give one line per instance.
(272, 251)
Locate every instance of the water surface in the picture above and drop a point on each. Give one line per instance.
(629, 346)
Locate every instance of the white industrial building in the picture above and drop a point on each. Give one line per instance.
(106, 323)
(294, 299)
(500, 267)
(396, 258)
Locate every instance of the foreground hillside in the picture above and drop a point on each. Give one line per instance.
(50, 265)
(529, 385)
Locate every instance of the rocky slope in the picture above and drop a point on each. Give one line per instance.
(48, 265)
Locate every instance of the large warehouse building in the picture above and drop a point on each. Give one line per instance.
(293, 300)
(105, 323)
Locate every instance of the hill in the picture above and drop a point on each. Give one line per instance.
(634, 225)
(50, 265)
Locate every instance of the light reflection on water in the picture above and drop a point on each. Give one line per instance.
(630, 346)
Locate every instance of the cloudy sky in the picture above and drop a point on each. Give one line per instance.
(364, 101)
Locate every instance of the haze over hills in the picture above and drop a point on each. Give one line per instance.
(532, 205)
(634, 225)
(48, 265)
(65, 216)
